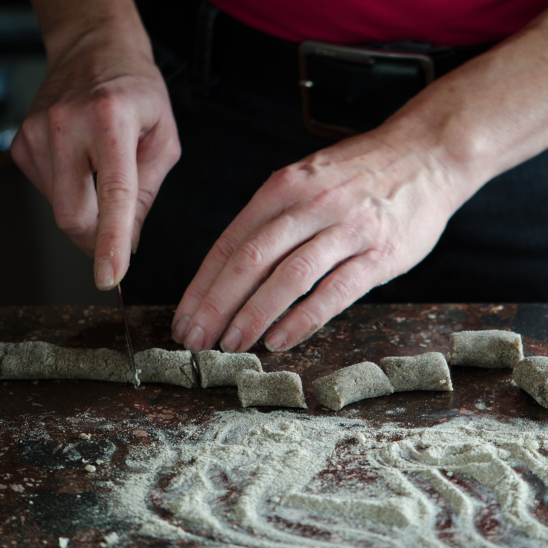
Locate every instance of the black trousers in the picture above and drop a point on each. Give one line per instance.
(238, 122)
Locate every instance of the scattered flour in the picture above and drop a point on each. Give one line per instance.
(360, 438)
(112, 539)
(248, 478)
(396, 411)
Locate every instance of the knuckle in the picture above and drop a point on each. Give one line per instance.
(195, 293)
(32, 131)
(108, 239)
(252, 255)
(72, 224)
(59, 119)
(328, 199)
(356, 235)
(310, 168)
(311, 317)
(383, 253)
(287, 174)
(109, 113)
(116, 190)
(386, 264)
(146, 197)
(300, 273)
(283, 181)
(340, 288)
(213, 306)
(106, 103)
(173, 151)
(224, 248)
(256, 317)
(290, 179)
(58, 115)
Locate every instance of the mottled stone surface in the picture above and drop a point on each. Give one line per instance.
(220, 368)
(280, 388)
(531, 374)
(351, 384)
(42, 420)
(493, 348)
(427, 371)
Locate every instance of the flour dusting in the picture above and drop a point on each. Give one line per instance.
(247, 478)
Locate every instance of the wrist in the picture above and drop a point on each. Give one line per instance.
(485, 117)
(449, 175)
(98, 23)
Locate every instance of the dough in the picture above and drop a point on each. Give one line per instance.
(220, 368)
(351, 384)
(424, 372)
(41, 360)
(281, 388)
(167, 366)
(531, 374)
(493, 348)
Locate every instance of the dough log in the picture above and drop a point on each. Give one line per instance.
(167, 366)
(281, 388)
(220, 368)
(424, 372)
(41, 360)
(492, 348)
(351, 384)
(531, 374)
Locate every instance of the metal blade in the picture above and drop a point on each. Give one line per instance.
(136, 381)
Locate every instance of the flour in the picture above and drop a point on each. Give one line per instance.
(247, 478)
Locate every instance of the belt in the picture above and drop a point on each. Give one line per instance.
(343, 90)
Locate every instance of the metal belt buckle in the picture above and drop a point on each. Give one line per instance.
(354, 63)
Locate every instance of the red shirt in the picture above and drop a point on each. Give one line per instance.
(441, 22)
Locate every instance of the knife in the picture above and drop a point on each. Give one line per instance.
(136, 381)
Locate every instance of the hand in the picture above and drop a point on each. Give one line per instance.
(357, 214)
(103, 107)
(354, 216)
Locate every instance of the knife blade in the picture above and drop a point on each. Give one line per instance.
(131, 356)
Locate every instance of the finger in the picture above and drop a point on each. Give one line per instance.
(254, 215)
(294, 277)
(74, 199)
(335, 293)
(117, 184)
(158, 151)
(246, 270)
(295, 184)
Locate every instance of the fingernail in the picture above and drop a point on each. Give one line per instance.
(104, 274)
(134, 246)
(179, 329)
(195, 340)
(232, 340)
(276, 340)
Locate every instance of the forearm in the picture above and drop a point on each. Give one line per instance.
(65, 22)
(485, 117)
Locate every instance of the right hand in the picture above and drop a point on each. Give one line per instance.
(103, 107)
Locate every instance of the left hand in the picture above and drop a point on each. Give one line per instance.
(369, 208)
(356, 214)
